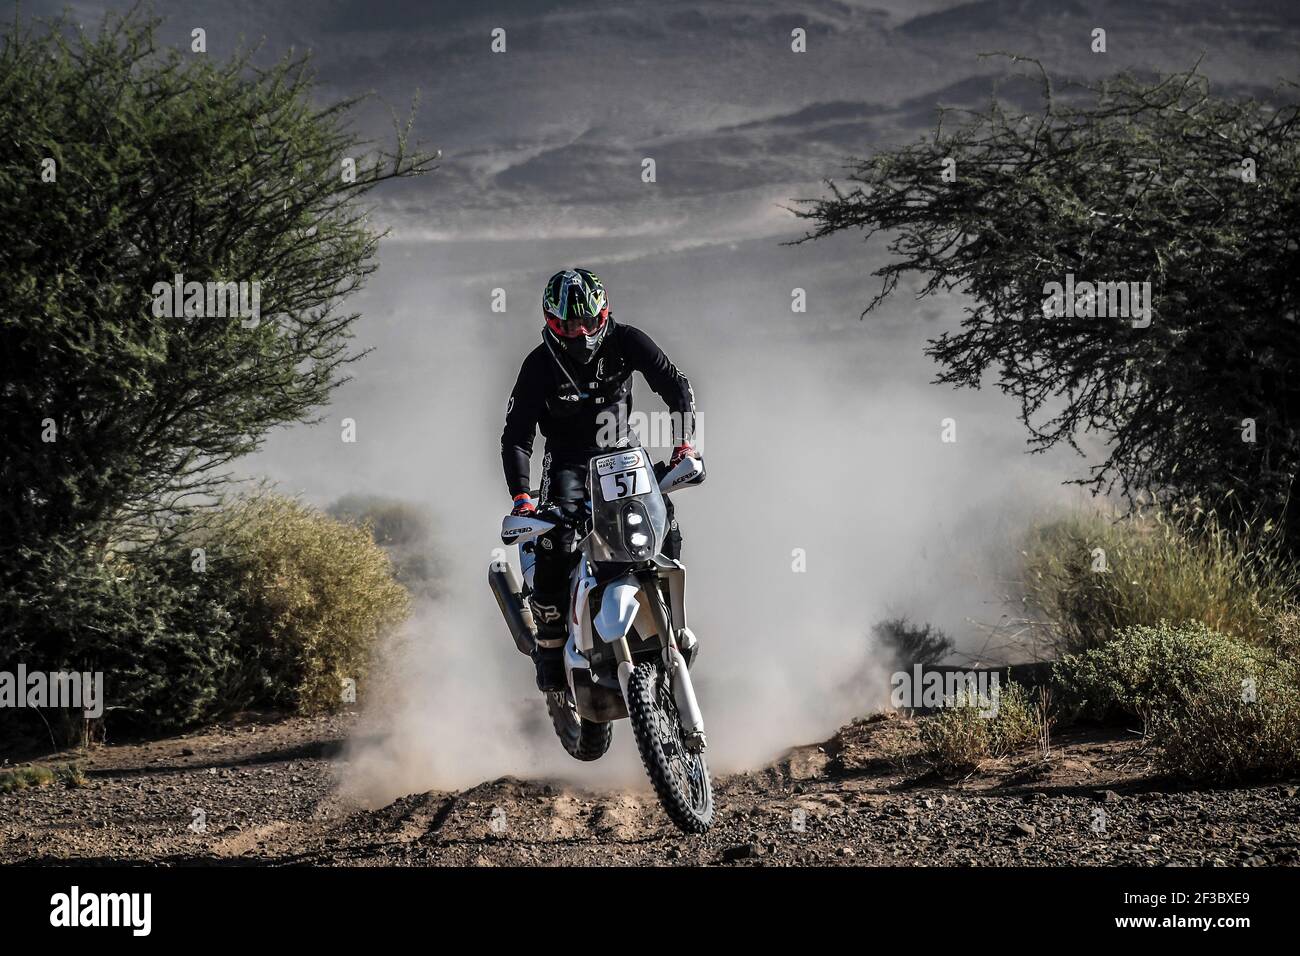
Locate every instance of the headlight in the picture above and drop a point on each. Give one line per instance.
(638, 533)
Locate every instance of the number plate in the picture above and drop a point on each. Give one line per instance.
(625, 484)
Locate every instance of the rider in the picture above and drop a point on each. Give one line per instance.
(577, 388)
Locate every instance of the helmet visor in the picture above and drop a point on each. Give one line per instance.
(576, 327)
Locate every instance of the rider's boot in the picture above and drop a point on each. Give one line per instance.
(548, 652)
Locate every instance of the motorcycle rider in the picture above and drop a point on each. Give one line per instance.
(576, 387)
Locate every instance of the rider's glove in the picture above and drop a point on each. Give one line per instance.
(680, 453)
(523, 505)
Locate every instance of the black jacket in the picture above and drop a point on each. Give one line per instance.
(566, 401)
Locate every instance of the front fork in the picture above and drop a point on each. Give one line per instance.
(620, 604)
(679, 675)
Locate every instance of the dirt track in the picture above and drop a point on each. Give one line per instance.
(863, 797)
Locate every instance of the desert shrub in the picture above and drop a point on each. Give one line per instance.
(1175, 567)
(1284, 631)
(280, 606)
(309, 596)
(22, 778)
(36, 775)
(1215, 707)
(160, 639)
(960, 736)
(912, 643)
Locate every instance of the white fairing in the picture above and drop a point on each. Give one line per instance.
(581, 585)
(687, 470)
(618, 609)
(578, 646)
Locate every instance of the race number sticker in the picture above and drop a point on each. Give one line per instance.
(625, 484)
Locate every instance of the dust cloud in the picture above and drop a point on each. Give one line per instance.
(831, 500)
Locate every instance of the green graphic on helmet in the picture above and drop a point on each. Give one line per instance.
(576, 309)
(574, 294)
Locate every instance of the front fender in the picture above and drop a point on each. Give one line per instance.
(618, 609)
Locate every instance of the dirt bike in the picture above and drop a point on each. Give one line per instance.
(629, 651)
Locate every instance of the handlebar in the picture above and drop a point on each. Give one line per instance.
(556, 516)
(689, 471)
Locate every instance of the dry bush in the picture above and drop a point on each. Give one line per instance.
(1215, 707)
(959, 737)
(309, 596)
(1159, 567)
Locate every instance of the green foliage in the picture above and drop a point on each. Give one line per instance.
(124, 165)
(37, 775)
(1284, 632)
(161, 639)
(289, 603)
(1215, 707)
(959, 737)
(1175, 566)
(166, 163)
(1130, 182)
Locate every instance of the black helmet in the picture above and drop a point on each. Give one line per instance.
(577, 313)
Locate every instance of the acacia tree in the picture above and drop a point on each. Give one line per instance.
(124, 166)
(1157, 182)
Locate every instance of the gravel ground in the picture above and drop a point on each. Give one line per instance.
(264, 787)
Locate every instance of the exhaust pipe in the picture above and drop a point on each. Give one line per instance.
(518, 618)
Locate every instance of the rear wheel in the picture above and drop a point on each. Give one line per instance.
(680, 778)
(582, 739)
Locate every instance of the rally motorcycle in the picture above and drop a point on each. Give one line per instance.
(629, 651)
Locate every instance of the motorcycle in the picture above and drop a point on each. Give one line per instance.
(629, 650)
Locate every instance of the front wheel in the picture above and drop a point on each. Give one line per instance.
(582, 739)
(680, 777)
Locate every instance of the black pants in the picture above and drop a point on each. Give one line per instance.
(564, 486)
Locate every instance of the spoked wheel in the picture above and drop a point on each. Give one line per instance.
(680, 778)
(582, 739)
